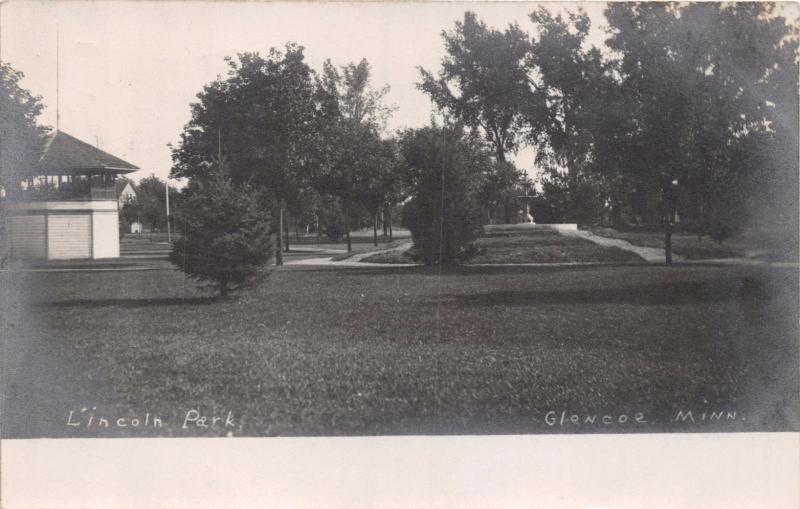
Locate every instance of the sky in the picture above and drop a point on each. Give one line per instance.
(129, 70)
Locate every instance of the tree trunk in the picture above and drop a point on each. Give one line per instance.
(375, 229)
(668, 241)
(500, 151)
(669, 197)
(286, 235)
(347, 229)
(385, 225)
(390, 224)
(279, 247)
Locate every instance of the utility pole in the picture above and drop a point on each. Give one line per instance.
(169, 234)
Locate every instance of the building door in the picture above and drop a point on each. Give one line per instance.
(69, 235)
(27, 236)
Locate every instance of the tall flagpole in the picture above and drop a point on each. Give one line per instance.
(58, 84)
(1, 24)
(169, 234)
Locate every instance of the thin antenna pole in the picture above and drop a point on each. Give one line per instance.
(1, 24)
(58, 83)
(169, 233)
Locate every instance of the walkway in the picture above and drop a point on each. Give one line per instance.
(649, 254)
(355, 259)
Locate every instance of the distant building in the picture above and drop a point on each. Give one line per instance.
(67, 206)
(126, 193)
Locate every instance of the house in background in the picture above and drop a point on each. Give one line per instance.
(67, 206)
(126, 193)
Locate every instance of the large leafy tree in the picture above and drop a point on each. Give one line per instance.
(264, 116)
(696, 84)
(353, 163)
(21, 138)
(357, 101)
(576, 81)
(347, 159)
(379, 182)
(485, 82)
(391, 187)
(581, 90)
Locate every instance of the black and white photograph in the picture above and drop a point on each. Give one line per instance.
(386, 219)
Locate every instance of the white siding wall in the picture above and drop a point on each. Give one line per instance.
(73, 229)
(106, 234)
(69, 236)
(27, 233)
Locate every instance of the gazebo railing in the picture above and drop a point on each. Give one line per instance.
(66, 191)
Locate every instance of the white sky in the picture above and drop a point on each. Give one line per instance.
(130, 69)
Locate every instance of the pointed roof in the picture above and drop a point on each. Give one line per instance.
(121, 183)
(64, 154)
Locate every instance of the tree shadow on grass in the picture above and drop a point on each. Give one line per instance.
(458, 270)
(131, 303)
(389, 270)
(670, 293)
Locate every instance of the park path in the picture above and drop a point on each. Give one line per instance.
(355, 260)
(649, 254)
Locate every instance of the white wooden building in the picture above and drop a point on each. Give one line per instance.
(67, 208)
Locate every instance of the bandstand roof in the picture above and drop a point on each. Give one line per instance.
(66, 155)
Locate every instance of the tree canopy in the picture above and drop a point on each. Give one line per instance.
(265, 117)
(353, 162)
(21, 138)
(697, 89)
(485, 82)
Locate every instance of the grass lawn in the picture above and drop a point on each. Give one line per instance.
(519, 244)
(693, 248)
(515, 245)
(396, 256)
(408, 351)
(361, 240)
(151, 240)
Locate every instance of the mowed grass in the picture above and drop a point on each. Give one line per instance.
(693, 247)
(394, 256)
(317, 351)
(518, 245)
(505, 244)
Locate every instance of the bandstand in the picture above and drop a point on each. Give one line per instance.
(66, 207)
